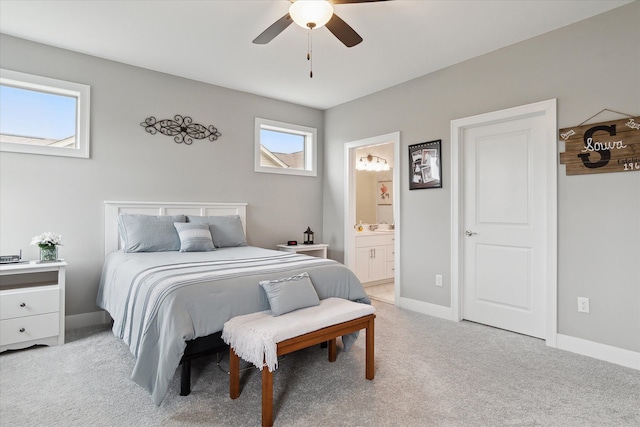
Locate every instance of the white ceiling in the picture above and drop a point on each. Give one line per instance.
(210, 41)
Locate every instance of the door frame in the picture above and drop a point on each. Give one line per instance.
(350, 200)
(548, 110)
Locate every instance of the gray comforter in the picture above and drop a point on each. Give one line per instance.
(160, 300)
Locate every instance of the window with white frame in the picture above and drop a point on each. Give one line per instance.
(285, 148)
(41, 115)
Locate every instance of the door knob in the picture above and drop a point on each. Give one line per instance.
(470, 233)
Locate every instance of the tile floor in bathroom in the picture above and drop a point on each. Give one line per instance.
(384, 292)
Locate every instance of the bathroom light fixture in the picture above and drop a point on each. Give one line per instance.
(311, 13)
(368, 164)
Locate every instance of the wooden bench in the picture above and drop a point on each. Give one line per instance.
(325, 334)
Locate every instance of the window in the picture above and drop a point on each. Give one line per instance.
(39, 115)
(285, 148)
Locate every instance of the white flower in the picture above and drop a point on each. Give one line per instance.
(47, 239)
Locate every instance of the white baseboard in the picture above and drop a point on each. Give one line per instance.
(76, 321)
(426, 308)
(619, 356)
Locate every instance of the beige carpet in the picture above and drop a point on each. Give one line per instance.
(429, 372)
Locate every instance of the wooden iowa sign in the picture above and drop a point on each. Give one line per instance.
(605, 147)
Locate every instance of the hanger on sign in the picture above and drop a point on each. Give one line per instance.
(602, 111)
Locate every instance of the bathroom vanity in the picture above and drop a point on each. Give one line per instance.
(375, 255)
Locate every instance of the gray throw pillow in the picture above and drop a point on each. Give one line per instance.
(289, 294)
(149, 233)
(226, 230)
(194, 237)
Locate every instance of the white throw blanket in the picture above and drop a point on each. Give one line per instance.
(255, 337)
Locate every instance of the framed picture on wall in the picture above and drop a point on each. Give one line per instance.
(384, 192)
(425, 165)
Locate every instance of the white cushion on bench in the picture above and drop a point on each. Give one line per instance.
(255, 337)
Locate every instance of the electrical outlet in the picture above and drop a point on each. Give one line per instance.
(439, 280)
(583, 305)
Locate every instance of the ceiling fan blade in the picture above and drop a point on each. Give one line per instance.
(276, 28)
(343, 31)
(353, 1)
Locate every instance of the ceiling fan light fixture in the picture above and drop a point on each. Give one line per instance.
(311, 13)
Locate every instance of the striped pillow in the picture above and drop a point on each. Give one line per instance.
(194, 237)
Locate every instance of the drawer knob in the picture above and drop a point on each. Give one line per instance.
(23, 304)
(22, 329)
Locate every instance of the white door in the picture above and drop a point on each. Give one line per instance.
(504, 214)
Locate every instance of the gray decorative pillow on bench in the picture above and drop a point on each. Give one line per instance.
(290, 293)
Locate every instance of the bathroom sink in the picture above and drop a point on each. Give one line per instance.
(377, 229)
(384, 227)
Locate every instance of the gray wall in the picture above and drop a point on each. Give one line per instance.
(65, 195)
(587, 66)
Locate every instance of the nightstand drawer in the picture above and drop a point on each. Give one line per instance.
(29, 302)
(28, 328)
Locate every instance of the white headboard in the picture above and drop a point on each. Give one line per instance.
(113, 209)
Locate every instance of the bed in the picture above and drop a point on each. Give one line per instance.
(169, 306)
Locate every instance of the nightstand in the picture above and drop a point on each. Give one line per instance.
(31, 304)
(317, 249)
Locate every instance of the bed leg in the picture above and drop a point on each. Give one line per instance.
(185, 378)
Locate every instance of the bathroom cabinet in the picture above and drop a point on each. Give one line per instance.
(374, 256)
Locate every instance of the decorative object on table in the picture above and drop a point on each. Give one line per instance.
(612, 146)
(11, 259)
(308, 236)
(182, 128)
(425, 165)
(48, 243)
(292, 242)
(359, 226)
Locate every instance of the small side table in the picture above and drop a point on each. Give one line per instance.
(317, 249)
(32, 297)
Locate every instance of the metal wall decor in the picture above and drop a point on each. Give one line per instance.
(182, 128)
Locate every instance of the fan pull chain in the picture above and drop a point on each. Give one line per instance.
(309, 52)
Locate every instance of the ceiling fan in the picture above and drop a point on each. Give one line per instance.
(314, 14)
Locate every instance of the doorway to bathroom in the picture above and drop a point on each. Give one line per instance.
(372, 214)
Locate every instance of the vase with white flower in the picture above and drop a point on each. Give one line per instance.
(48, 243)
